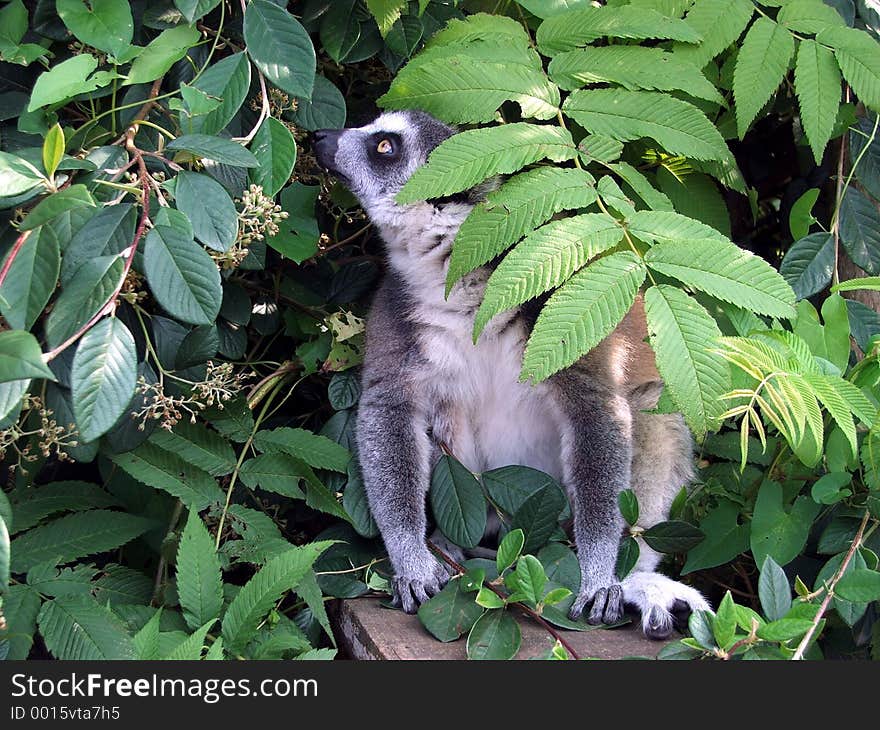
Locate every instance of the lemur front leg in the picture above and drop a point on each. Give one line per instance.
(597, 455)
(394, 452)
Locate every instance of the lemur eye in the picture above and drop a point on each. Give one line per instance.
(385, 147)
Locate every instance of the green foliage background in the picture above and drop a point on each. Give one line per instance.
(182, 294)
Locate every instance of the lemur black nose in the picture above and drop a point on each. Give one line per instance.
(326, 143)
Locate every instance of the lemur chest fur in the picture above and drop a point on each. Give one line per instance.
(473, 398)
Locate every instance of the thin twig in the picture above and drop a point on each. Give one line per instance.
(857, 541)
(7, 265)
(522, 607)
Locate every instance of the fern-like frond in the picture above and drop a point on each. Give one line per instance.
(577, 28)
(681, 333)
(680, 127)
(817, 85)
(524, 202)
(470, 157)
(726, 272)
(660, 226)
(582, 313)
(760, 66)
(544, 260)
(78, 628)
(641, 186)
(720, 23)
(859, 57)
(633, 67)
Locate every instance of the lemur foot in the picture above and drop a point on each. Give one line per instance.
(606, 608)
(661, 601)
(413, 587)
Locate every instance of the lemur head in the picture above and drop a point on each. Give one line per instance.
(376, 160)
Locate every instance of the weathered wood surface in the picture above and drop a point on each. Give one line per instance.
(366, 630)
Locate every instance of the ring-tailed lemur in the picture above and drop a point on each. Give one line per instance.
(426, 383)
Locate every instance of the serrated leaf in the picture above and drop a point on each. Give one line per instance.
(808, 264)
(146, 641)
(167, 471)
(719, 23)
(682, 334)
(75, 536)
(190, 649)
(582, 313)
(760, 66)
(275, 150)
(182, 276)
(21, 357)
(108, 232)
(199, 581)
(642, 187)
(209, 209)
(197, 445)
(680, 127)
(467, 84)
(578, 27)
(859, 57)
(280, 47)
(544, 260)
(470, 157)
(696, 195)
(66, 496)
(229, 79)
(279, 473)
(279, 575)
(865, 146)
(386, 13)
(457, 502)
(808, 16)
(21, 604)
(103, 377)
(661, 226)
(517, 207)
(78, 628)
(89, 288)
(817, 85)
(727, 272)
(317, 451)
(632, 67)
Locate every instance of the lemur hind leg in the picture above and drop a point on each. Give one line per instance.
(662, 465)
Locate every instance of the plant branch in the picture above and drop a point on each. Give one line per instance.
(521, 606)
(17, 246)
(857, 541)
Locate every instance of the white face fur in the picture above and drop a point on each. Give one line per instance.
(374, 161)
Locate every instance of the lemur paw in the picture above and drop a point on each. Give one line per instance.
(662, 602)
(606, 608)
(412, 588)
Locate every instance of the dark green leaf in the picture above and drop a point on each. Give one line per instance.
(78, 628)
(538, 517)
(109, 231)
(629, 506)
(725, 538)
(774, 590)
(275, 150)
(105, 24)
(778, 533)
(627, 557)
(860, 230)
(673, 536)
(199, 581)
(280, 47)
(209, 208)
(449, 614)
(325, 110)
(457, 502)
(229, 79)
(808, 264)
(75, 536)
(859, 586)
(182, 276)
(495, 635)
(215, 148)
(21, 357)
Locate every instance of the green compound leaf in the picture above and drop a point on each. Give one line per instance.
(582, 313)
(679, 126)
(682, 334)
(470, 157)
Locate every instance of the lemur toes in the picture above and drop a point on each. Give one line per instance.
(664, 604)
(606, 607)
